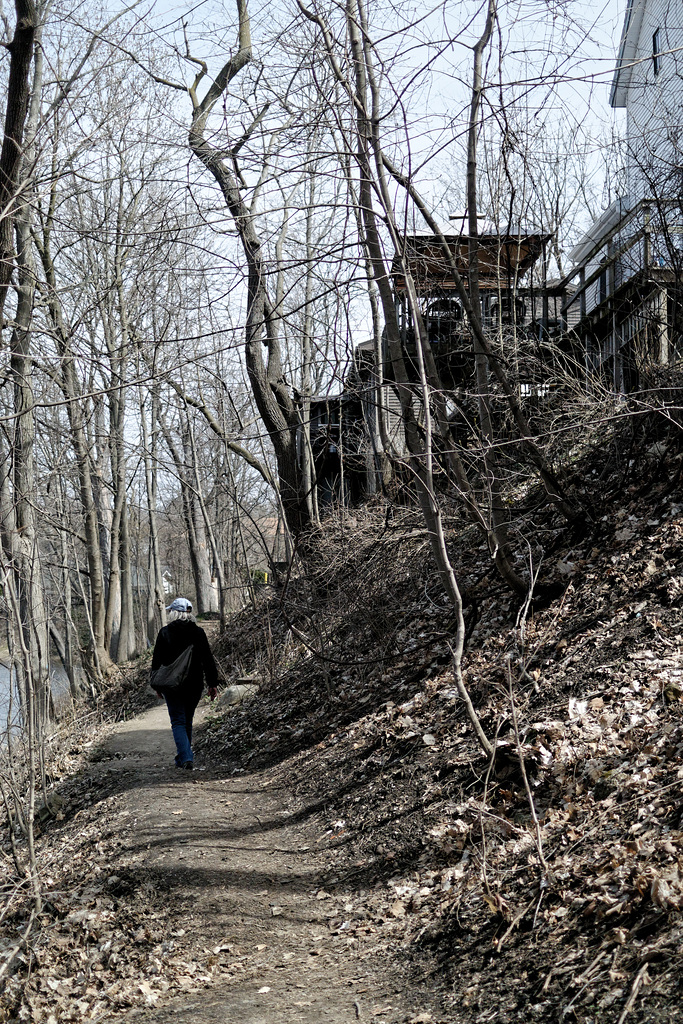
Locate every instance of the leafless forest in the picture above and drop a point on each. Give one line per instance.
(203, 231)
(273, 271)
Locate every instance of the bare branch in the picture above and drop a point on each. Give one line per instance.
(243, 453)
(230, 69)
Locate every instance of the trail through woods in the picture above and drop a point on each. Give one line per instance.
(344, 851)
(240, 871)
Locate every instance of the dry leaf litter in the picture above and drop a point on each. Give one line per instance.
(493, 907)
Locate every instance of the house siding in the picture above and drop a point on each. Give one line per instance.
(653, 104)
(627, 268)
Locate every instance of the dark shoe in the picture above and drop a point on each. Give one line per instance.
(188, 765)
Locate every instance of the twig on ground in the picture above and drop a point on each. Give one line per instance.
(522, 765)
(538, 907)
(482, 805)
(513, 924)
(13, 952)
(584, 979)
(640, 979)
(588, 973)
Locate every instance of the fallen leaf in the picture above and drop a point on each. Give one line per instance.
(577, 708)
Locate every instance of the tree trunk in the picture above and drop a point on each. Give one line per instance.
(127, 640)
(492, 478)
(16, 109)
(205, 595)
(67, 652)
(25, 553)
(68, 382)
(156, 602)
(307, 460)
(273, 400)
(215, 552)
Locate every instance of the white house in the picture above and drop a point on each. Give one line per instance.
(628, 265)
(648, 84)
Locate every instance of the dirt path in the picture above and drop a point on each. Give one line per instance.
(241, 867)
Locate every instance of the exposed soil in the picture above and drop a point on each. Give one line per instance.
(344, 850)
(239, 864)
(197, 897)
(577, 918)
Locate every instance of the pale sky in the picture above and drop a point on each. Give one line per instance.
(558, 60)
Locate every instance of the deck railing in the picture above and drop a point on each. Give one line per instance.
(646, 238)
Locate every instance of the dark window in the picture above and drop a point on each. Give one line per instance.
(602, 287)
(656, 51)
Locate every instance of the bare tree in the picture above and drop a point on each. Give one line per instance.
(19, 490)
(272, 395)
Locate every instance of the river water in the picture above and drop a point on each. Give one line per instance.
(10, 709)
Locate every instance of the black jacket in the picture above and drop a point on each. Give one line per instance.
(173, 639)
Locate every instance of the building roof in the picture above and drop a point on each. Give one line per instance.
(630, 35)
(599, 230)
(502, 257)
(459, 226)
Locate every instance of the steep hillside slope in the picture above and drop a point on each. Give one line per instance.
(545, 885)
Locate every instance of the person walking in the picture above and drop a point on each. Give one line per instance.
(174, 638)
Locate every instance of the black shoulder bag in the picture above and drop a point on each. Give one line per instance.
(168, 678)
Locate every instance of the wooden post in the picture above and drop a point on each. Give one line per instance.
(662, 326)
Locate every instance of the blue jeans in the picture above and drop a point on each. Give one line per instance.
(181, 709)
